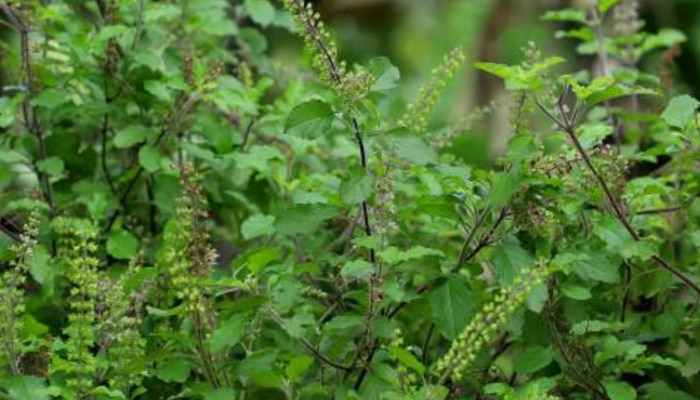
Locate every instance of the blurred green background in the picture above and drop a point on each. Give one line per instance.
(415, 34)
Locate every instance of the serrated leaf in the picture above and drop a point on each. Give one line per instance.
(407, 359)
(297, 367)
(680, 111)
(28, 388)
(504, 186)
(357, 187)
(258, 225)
(414, 149)
(576, 292)
(149, 158)
(386, 75)
(357, 269)
(130, 136)
(451, 305)
(619, 390)
(122, 245)
(590, 266)
(304, 218)
(533, 359)
(50, 99)
(509, 259)
(174, 370)
(312, 118)
(228, 333)
(53, 166)
(260, 11)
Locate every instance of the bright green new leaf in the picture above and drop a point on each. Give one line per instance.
(604, 6)
(620, 390)
(566, 15)
(122, 244)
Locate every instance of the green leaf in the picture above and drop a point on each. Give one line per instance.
(500, 70)
(122, 245)
(174, 370)
(310, 119)
(304, 218)
(533, 359)
(566, 15)
(53, 166)
(407, 359)
(589, 265)
(50, 99)
(258, 225)
(219, 394)
(262, 258)
(150, 158)
(451, 305)
(260, 11)
(7, 111)
(357, 269)
(665, 38)
(386, 75)
(130, 136)
(576, 292)
(509, 259)
(620, 390)
(604, 6)
(412, 148)
(661, 391)
(297, 367)
(680, 111)
(505, 185)
(393, 255)
(28, 388)
(229, 333)
(357, 187)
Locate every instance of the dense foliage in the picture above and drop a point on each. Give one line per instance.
(183, 217)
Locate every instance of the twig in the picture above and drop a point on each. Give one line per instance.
(310, 347)
(568, 127)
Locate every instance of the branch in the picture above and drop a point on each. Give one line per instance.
(568, 127)
(309, 346)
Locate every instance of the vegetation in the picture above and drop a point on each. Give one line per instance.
(184, 217)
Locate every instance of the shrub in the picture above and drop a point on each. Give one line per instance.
(204, 223)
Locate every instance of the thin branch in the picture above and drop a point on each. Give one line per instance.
(309, 346)
(569, 129)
